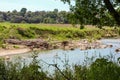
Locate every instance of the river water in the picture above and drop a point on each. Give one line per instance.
(77, 56)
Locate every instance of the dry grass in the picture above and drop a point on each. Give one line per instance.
(68, 25)
(58, 25)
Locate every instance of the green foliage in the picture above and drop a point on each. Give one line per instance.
(26, 32)
(100, 69)
(30, 31)
(119, 31)
(93, 12)
(23, 11)
(16, 47)
(20, 71)
(4, 46)
(24, 16)
(103, 67)
(80, 72)
(82, 27)
(8, 32)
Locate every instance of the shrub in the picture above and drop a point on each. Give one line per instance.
(82, 27)
(28, 33)
(100, 69)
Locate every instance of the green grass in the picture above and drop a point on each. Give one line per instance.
(30, 31)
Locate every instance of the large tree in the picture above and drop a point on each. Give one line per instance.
(112, 11)
(94, 11)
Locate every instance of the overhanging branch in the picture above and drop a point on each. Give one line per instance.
(112, 11)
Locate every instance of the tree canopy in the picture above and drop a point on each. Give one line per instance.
(95, 12)
(24, 16)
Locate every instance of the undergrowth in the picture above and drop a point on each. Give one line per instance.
(100, 69)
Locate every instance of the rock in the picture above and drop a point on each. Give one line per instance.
(55, 47)
(13, 41)
(107, 35)
(36, 43)
(65, 43)
(103, 46)
(72, 48)
(110, 46)
(68, 45)
(89, 47)
(7, 57)
(67, 48)
(83, 48)
(117, 50)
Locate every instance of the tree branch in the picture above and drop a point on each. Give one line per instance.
(112, 11)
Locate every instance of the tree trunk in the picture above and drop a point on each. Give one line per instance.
(112, 11)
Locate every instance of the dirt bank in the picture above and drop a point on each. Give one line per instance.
(40, 44)
(4, 52)
(37, 44)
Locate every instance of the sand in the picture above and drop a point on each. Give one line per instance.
(5, 52)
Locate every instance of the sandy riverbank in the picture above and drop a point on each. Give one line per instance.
(83, 44)
(4, 52)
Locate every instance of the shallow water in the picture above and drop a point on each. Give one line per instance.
(76, 56)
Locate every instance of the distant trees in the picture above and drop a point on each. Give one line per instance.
(24, 16)
(83, 12)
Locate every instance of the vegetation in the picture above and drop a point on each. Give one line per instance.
(30, 31)
(24, 16)
(80, 13)
(95, 12)
(100, 69)
(83, 12)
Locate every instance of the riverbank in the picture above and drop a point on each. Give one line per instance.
(4, 52)
(49, 37)
(40, 44)
(14, 46)
(75, 59)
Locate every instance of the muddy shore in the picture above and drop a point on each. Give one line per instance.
(4, 52)
(24, 46)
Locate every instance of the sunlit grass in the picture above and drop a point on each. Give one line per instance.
(54, 31)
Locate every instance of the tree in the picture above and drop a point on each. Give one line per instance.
(24, 16)
(112, 11)
(23, 11)
(17, 19)
(88, 11)
(55, 10)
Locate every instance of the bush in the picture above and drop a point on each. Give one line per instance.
(100, 69)
(82, 27)
(28, 33)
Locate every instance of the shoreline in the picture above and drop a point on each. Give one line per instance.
(9, 52)
(83, 44)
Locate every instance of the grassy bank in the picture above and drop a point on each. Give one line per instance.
(50, 32)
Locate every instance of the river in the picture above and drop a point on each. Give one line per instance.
(72, 57)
